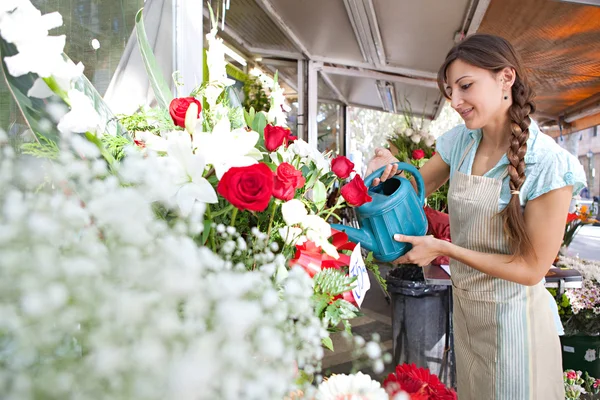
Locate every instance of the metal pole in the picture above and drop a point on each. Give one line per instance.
(312, 103)
(302, 95)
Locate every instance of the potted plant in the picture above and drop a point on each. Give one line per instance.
(579, 310)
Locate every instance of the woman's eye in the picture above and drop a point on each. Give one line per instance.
(466, 86)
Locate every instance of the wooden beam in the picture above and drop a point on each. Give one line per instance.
(575, 126)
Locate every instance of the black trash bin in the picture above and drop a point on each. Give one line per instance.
(421, 322)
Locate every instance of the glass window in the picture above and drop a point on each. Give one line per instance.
(87, 24)
(330, 122)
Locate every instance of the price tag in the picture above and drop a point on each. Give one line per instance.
(358, 269)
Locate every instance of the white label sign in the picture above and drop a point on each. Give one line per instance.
(358, 269)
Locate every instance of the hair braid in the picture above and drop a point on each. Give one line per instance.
(514, 223)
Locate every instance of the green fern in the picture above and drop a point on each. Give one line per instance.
(115, 145)
(332, 282)
(45, 148)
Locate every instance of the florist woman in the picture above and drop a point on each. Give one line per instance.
(510, 190)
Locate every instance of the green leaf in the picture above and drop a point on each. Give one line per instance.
(319, 194)
(206, 231)
(327, 342)
(321, 302)
(259, 123)
(249, 117)
(157, 80)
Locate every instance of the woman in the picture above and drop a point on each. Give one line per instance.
(510, 190)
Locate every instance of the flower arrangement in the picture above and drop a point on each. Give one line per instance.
(418, 383)
(576, 385)
(152, 264)
(579, 309)
(582, 216)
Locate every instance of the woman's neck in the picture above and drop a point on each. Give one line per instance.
(496, 134)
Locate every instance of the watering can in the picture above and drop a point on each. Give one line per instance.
(395, 208)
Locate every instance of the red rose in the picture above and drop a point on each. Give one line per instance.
(418, 154)
(179, 107)
(286, 181)
(247, 188)
(290, 139)
(355, 192)
(342, 167)
(275, 136)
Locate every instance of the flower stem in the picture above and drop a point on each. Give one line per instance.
(272, 217)
(212, 232)
(233, 215)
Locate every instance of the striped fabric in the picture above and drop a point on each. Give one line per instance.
(506, 343)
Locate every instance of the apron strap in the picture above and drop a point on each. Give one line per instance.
(462, 159)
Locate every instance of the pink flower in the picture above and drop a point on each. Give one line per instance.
(571, 375)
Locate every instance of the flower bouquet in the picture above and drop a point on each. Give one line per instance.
(153, 262)
(578, 387)
(582, 216)
(579, 309)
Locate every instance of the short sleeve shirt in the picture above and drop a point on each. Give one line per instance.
(547, 165)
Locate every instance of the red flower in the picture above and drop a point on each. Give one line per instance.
(572, 375)
(290, 139)
(308, 256)
(287, 180)
(275, 136)
(342, 167)
(179, 107)
(355, 192)
(571, 217)
(418, 154)
(419, 383)
(247, 188)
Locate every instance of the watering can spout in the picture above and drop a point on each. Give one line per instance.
(362, 236)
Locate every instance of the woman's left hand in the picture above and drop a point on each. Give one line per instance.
(424, 250)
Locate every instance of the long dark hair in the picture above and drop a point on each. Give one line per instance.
(494, 53)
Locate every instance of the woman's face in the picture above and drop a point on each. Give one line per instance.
(476, 94)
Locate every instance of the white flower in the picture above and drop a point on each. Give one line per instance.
(293, 212)
(189, 184)
(358, 386)
(217, 74)
(224, 148)
(27, 28)
(416, 138)
(82, 117)
(151, 141)
(277, 114)
(408, 132)
(292, 235)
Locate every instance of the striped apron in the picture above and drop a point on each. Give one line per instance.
(506, 342)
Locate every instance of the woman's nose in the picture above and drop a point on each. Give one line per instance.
(455, 101)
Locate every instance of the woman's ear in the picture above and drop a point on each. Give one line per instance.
(507, 78)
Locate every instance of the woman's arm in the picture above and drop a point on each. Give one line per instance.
(545, 219)
(435, 172)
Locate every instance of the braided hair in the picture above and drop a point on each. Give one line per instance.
(494, 53)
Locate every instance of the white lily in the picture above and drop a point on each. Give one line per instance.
(277, 114)
(186, 168)
(223, 148)
(82, 117)
(27, 29)
(152, 142)
(217, 74)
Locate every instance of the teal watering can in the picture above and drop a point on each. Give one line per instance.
(395, 208)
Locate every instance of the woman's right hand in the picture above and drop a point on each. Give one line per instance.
(382, 157)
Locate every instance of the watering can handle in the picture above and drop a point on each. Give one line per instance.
(402, 167)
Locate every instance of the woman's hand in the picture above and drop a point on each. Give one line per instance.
(424, 250)
(382, 157)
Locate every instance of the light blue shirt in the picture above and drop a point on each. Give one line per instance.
(547, 167)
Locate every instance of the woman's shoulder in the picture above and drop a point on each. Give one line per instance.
(552, 167)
